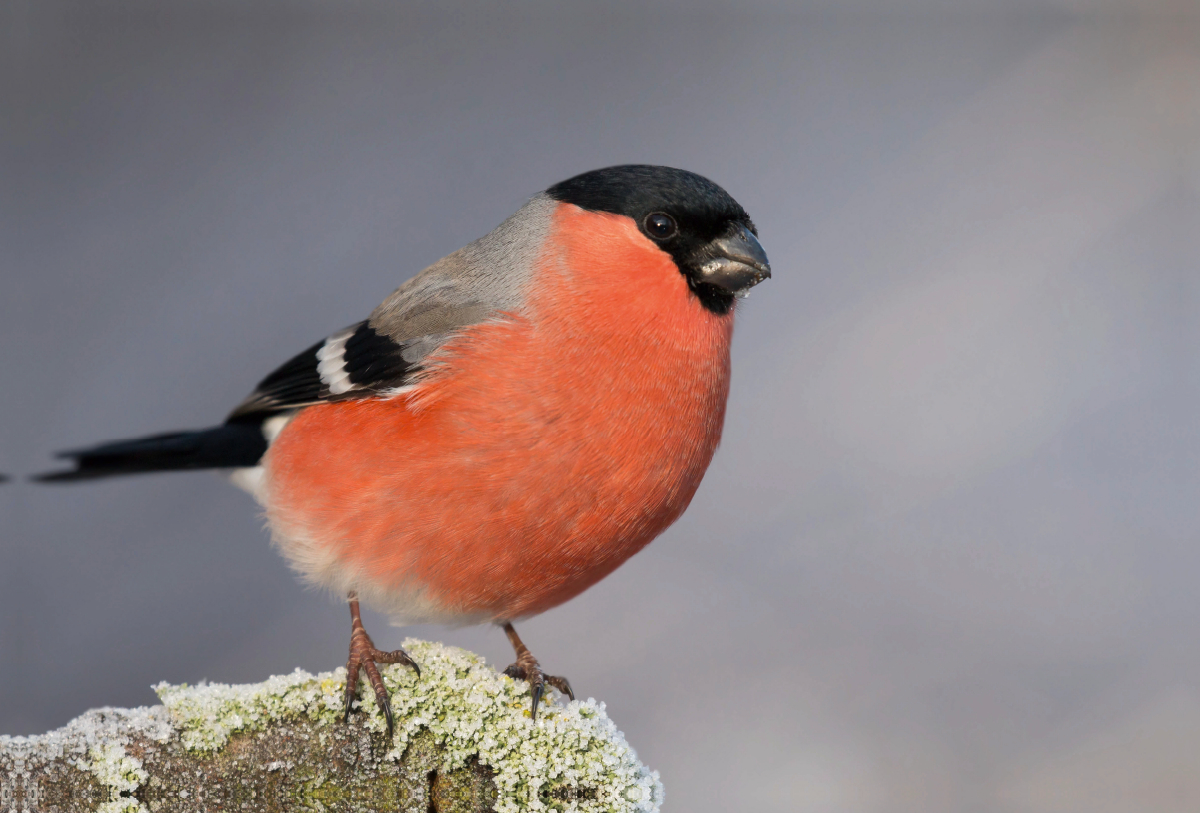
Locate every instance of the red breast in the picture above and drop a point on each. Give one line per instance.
(539, 452)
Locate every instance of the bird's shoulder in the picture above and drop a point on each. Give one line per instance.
(379, 356)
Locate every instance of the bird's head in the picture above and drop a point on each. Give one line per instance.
(705, 231)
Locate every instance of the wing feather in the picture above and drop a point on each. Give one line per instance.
(356, 362)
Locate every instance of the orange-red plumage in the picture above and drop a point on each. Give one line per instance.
(537, 453)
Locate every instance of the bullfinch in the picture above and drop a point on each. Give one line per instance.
(508, 426)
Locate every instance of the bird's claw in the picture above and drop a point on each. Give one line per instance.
(528, 669)
(364, 655)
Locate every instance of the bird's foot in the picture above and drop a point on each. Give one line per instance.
(528, 669)
(364, 655)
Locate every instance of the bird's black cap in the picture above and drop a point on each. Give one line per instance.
(636, 190)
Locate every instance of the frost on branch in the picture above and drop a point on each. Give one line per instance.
(464, 741)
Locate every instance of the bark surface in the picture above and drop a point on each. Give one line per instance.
(292, 766)
(463, 743)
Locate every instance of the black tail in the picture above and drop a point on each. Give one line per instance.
(229, 446)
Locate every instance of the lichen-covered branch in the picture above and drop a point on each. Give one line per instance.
(464, 741)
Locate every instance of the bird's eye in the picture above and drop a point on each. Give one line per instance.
(660, 226)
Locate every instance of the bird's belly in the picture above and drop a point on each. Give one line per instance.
(475, 506)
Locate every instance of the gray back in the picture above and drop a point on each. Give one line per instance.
(485, 277)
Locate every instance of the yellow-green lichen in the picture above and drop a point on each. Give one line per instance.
(572, 758)
(121, 774)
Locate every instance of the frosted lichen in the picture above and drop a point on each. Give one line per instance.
(94, 743)
(572, 758)
(121, 773)
(207, 714)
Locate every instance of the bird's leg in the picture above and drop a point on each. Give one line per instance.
(528, 669)
(363, 654)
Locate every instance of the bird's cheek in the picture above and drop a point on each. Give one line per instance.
(609, 259)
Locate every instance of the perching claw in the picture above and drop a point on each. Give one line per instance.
(528, 669)
(364, 655)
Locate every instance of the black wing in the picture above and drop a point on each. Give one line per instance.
(357, 362)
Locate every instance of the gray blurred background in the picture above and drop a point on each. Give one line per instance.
(947, 557)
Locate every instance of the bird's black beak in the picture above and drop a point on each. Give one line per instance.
(735, 263)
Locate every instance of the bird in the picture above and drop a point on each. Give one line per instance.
(508, 426)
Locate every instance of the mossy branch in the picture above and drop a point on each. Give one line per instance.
(464, 741)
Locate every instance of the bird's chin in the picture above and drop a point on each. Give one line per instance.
(713, 297)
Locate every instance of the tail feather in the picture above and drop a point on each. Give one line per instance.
(231, 445)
